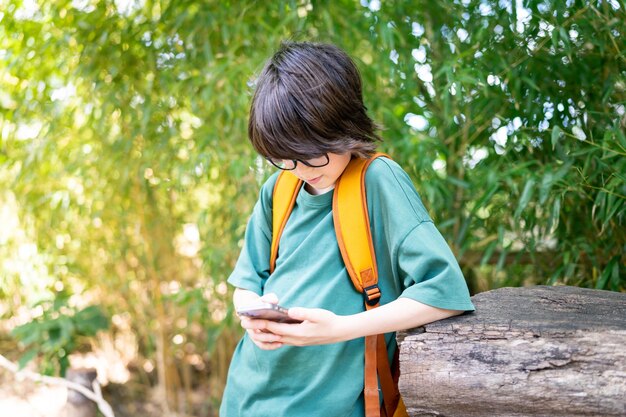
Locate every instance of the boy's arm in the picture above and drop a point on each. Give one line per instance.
(401, 314)
(322, 326)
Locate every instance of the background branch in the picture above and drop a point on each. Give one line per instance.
(95, 395)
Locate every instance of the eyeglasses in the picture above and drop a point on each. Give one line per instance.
(290, 164)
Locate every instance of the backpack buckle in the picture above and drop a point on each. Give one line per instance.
(371, 295)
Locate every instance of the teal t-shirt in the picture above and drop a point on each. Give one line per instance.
(413, 261)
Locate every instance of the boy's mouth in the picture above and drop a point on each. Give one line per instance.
(314, 180)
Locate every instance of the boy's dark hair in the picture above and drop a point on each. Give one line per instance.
(308, 102)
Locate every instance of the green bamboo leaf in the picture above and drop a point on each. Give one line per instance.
(485, 198)
(614, 205)
(502, 258)
(28, 356)
(545, 186)
(564, 37)
(556, 134)
(608, 271)
(527, 195)
(27, 333)
(66, 330)
(458, 182)
(531, 83)
(616, 279)
(90, 320)
(555, 38)
(489, 252)
(621, 136)
(555, 215)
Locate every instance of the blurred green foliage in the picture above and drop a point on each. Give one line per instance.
(125, 162)
(58, 332)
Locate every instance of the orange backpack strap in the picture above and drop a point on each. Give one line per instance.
(283, 199)
(352, 227)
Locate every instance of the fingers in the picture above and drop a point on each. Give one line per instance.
(254, 324)
(264, 340)
(268, 346)
(299, 313)
(260, 335)
(318, 326)
(310, 314)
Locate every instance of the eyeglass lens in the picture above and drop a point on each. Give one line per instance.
(290, 164)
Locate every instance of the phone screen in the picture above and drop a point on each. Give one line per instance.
(267, 311)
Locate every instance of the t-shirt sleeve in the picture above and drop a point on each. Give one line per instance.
(430, 271)
(420, 258)
(253, 265)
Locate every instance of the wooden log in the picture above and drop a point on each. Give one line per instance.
(536, 351)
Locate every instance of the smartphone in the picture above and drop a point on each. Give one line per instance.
(267, 311)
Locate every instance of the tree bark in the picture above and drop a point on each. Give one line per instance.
(537, 351)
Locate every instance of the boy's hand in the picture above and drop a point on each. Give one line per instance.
(319, 327)
(257, 328)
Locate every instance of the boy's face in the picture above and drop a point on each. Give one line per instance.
(323, 179)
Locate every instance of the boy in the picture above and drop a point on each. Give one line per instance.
(307, 116)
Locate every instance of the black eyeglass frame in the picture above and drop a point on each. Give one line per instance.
(302, 161)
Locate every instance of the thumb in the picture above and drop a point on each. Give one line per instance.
(270, 298)
(301, 313)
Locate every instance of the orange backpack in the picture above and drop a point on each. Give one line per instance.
(352, 227)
